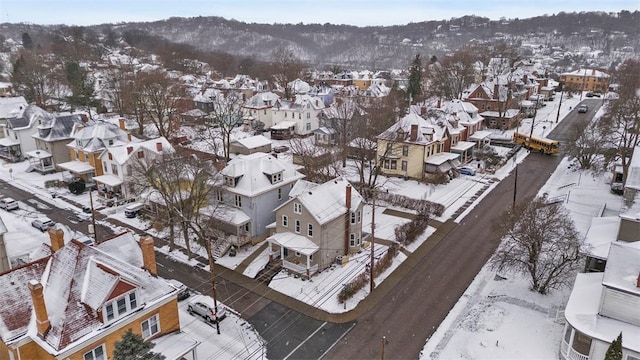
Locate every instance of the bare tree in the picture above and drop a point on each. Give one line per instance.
(341, 116)
(227, 113)
(622, 120)
(34, 77)
(318, 163)
(159, 100)
(587, 144)
(452, 76)
(286, 68)
(540, 240)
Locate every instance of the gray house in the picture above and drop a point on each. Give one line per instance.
(18, 132)
(250, 188)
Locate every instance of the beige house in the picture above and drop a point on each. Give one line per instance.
(415, 146)
(316, 226)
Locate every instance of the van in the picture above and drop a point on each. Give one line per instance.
(133, 210)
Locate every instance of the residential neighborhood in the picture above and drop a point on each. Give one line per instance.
(152, 199)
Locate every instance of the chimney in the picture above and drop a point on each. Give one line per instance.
(56, 236)
(593, 72)
(37, 297)
(148, 255)
(159, 146)
(129, 136)
(439, 103)
(414, 132)
(347, 219)
(121, 124)
(496, 89)
(129, 149)
(423, 109)
(84, 117)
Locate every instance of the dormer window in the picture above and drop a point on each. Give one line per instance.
(111, 142)
(231, 181)
(275, 178)
(119, 307)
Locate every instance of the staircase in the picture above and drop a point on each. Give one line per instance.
(222, 246)
(269, 272)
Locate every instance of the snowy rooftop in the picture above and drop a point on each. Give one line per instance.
(623, 267)
(602, 232)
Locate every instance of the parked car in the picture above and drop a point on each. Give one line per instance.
(42, 224)
(203, 307)
(589, 94)
(8, 204)
(183, 290)
(467, 171)
(280, 149)
(583, 108)
(133, 210)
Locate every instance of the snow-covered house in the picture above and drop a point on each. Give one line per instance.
(51, 141)
(88, 144)
(258, 107)
(250, 145)
(78, 300)
(415, 146)
(316, 225)
(251, 186)
(119, 163)
(19, 130)
(9, 106)
(301, 115)
(604, 304)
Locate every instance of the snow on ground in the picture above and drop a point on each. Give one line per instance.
(486, 323)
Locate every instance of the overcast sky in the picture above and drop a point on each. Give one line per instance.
(352, 12)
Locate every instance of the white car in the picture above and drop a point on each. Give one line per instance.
(203, 306)
(42, 224)
(8, 204)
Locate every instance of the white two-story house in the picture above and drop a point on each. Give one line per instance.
(297, 117)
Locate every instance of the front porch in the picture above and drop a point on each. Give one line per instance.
(40, 161)
(110, 188)
(441, 163)
(10, 150)
(296, 253)
(465, 150)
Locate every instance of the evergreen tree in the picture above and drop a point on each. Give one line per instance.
(132, 346)
(615, 350)
(27, 43)
(414, 88)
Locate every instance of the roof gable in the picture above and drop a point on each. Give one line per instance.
(327, 201)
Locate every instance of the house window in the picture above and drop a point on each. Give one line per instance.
(308, 115)
(297, 208)
(219, 196)
(297, 253)
(114, 169)
(120, 306)
(285, 221)
(404, 165)
(299, 115)
(110, 156)
(308, 127)
(358, 216)
(297, 226)
(405, 150)
(140, 154)
(238, 201)
(276, 178)
(150, 327)
(394, 164)
(353, 218)
(389, 145)
(96, 354)
(111, 142)
(228, 180)
(279, 194)
(310, 230)
(352, 239)
(358, 239)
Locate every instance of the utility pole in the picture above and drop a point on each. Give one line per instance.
(212, 279)
(560, 105)
(533, 122)
(93, 217)
(373, 227)
(384, 340)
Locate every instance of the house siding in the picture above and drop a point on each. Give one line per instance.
(169, 322)
(415, 159)
(620, 306)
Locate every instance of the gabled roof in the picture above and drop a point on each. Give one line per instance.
(11, 105)
(262, 100)
(327, 201)
(76, 280)
(253, 170)
(96, 137)
(30, 116)
(623, 267)
(60, 127)
(428, 130)
(120, 153)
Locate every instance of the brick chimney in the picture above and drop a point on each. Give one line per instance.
(121, 124)
(128, 137)
(414, 132)
(148, 255)
(496, 90)
(347, 199)
(37, 297)
(159, 146)
(129, 149)
(56, 236)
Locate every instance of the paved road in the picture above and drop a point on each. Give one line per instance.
(413, 309)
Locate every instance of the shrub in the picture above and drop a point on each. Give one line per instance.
(360, 281)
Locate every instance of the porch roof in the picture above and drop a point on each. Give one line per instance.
(463, 146)
(284, 125)
(109, 180)
(295, 242)
(6, 142)
(77, 167)
(175, 345)
(37, 154)
(441, 158)
(227, 214)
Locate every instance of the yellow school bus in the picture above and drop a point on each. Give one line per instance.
(541, 144)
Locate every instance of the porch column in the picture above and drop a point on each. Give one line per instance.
(308, 266)
(270, 252)
(281, 254)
